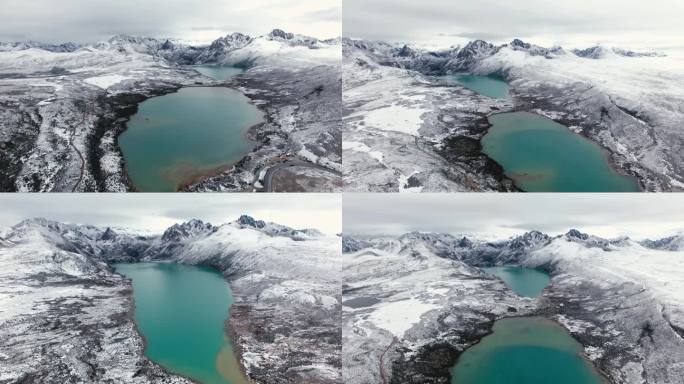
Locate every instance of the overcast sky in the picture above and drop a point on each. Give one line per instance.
(628, 23)
(638, 215)
(156, 212)
(202, 20)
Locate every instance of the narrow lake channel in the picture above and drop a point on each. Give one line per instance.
(527, 282)
(489, 86)
(180, 310)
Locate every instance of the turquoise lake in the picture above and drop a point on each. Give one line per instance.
(525, 350)
(541, 155)
(182, 137)
(527, 282)
(489, 86)
(181, 310)
(218, 72)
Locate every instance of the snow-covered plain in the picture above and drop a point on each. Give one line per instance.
(106, 81)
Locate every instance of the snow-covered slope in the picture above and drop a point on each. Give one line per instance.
(630, 105)
(65, 316)
(285, 282)
(624, 303)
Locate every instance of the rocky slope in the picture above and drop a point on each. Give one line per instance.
(285, 282)
(63, 107)
(619, 298)
(628, 102)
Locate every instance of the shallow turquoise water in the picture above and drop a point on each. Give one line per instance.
(523, 281)
(541, 155)
(525, 350)
(489, 86)
(183, 136)
(218, 72)
(180, 310)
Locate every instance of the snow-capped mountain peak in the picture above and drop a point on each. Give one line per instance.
(280, 34)
(187, 230)
(274, 229)
(249, 221)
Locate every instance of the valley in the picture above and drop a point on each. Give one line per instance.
(418, 305)
(69, 315)
(408, 100)
(65, 106)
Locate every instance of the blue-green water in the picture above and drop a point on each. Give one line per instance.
(180, 310)
(528, 282)
(218, 72)
(184, 136)
(541, 155)
(525, 350)
(489, 86)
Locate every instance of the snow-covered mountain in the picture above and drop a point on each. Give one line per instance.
(461, 59)
(221, 51)
(466, 58)
(628, 102)
(621, 298)
(281, 278)
(64, 102)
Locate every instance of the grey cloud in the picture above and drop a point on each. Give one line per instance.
(328, 14)
(88, 21)
(503, 20)
(477, 35)
(638, 215)
(156, 211)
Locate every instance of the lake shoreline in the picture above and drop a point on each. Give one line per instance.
(551, 322)
(444, 355)
(127, 105)
(435, 360)
(540, 105)
(607, 156)
(131, 314)
(480, 130)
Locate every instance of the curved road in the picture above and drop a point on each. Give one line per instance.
(268, 177)
(383, 375)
